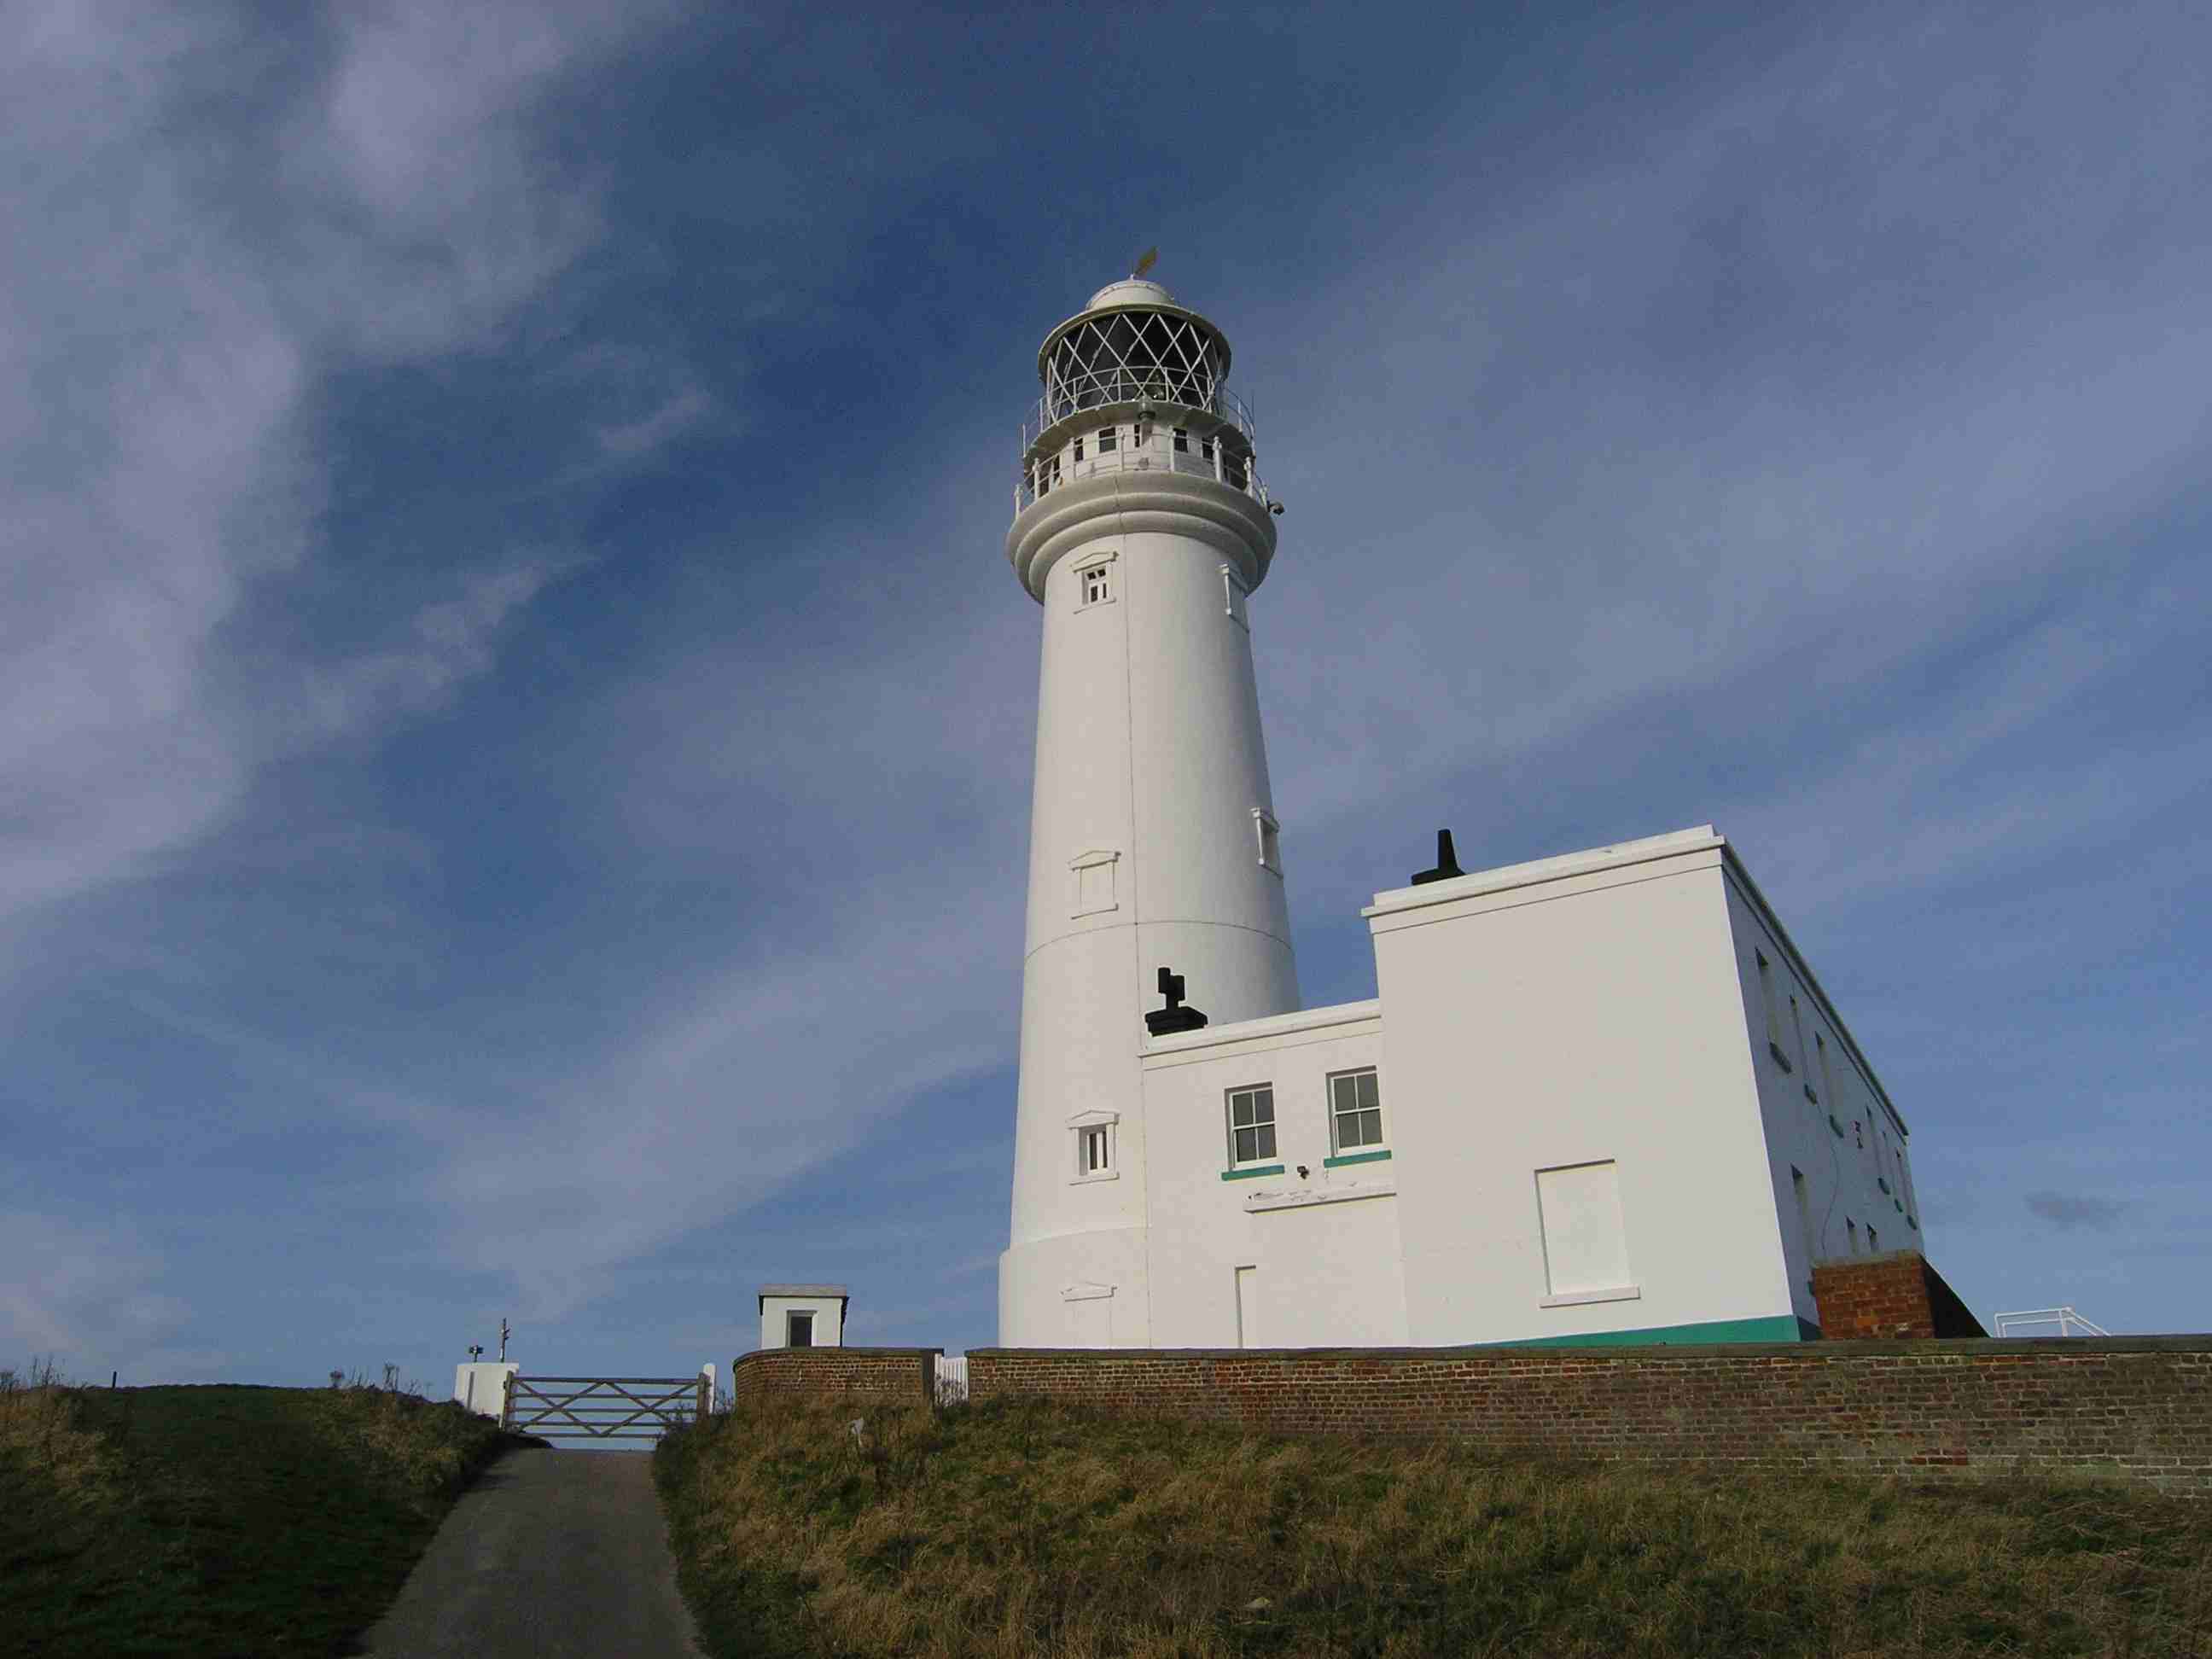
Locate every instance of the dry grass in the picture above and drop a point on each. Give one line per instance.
(40, 1441)
(1023, 1529)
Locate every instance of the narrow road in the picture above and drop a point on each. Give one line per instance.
(551, 1554)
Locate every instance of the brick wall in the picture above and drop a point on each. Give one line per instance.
(1895, 1294)
(860, 1373)
(2136, 1408)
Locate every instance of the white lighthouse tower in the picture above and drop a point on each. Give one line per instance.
(1141, 527)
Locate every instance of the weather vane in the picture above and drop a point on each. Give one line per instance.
(1146, 261)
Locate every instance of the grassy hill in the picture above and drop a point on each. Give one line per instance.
(218, 1520)
(1023, 1529)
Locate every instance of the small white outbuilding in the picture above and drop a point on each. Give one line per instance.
(803, 1316)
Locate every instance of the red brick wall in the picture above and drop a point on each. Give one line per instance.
(861, 1373)
(1896, 1294)
(2139, 1409)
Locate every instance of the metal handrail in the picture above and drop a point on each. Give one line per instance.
(1105, 388)
(1156, 456)
(2065, 1318)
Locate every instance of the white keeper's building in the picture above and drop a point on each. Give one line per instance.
(1599, 1097)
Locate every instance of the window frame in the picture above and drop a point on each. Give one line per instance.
(1084, 1130)
(1260, 1162)
(1365, 1151)
(1090, 859)
(1100, 565)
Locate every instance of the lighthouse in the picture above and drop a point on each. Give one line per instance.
(1142, 530)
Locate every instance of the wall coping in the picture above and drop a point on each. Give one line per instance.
(1918, 1347)
(848, 1347)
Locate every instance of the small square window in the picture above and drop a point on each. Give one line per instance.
(1252, 1124)
(1110, 439)
(1355, 1111)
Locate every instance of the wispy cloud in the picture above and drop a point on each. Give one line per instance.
(73, 1288)
(165, 349)
(629, 440)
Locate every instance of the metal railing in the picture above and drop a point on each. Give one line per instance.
(1202, 459)
(2070, 1322)
(1105, 388)
(605, 1407)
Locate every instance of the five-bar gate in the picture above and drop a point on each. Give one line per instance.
(604, 1407)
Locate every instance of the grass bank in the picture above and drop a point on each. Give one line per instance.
(217, 1520)
(1023, 1529)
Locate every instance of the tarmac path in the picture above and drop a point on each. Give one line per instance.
(550, 1555)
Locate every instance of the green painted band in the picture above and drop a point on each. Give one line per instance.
(1246, 1174)
(1353, 1158)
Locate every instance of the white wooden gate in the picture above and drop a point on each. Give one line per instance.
(952, 1379)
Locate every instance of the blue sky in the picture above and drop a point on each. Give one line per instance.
(514, 751)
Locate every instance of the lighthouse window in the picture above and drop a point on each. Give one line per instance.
(1252, 1124)
(1094, 583)
(1206, 449)
(1270, 839)
(1078, 449)
(1094, 1151)
(1232, 597)
(1181, 441)
(1094, 1134)
(1110, 439)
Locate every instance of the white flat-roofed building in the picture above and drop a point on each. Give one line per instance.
(803, 1316)
(1598, 1097)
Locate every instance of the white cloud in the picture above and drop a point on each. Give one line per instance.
(74, 1290)
(444, 644)
(163, 348)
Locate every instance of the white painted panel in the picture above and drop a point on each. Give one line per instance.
(1090, 1323)
(1585, 1244)
(1248, 1308)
